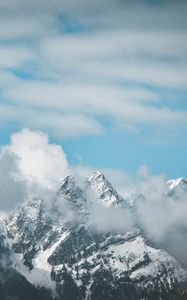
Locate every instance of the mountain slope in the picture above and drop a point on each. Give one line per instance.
(59, 249)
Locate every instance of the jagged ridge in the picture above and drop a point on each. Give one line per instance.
(69, 256)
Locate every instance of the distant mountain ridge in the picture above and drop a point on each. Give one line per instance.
(57, 248)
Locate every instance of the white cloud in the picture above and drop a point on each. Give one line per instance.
(73, 110)
(14, 56)
(107, 12)
(162, 217)
(117, 45)
(39, 161)
(12, 189)
(79, 97)
(30, 166)
(58, 124)
(140, 71)
(100, 70)
(106, 219)
(26, 26)
(120, 179)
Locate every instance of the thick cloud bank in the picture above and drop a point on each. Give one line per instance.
(39, 161)
(29, 165)
(162, 214)
(12, 188)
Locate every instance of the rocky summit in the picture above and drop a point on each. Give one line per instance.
(56, 250)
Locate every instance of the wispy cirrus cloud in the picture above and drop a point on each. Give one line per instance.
(15, 56)
(79, 63)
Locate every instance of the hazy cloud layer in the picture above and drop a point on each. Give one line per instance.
(163, 216)
(12, 188)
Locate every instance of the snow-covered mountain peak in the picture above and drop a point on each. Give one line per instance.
(177, 187)
(72, 182)
(79, 191)
(71, 254)
(104, 190)
(97, 175)
(73, 190)
(173, 183)
(66, 181)
(30, 210)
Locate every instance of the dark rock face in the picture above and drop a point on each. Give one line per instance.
(77, 262)
(15, 287)
(80, 243)
(32, 225)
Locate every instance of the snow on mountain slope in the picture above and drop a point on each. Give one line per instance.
(4, 242)
(177, 183)
(40, 275)
(78, 192)
(50, 250)
(126, 257)
(104, 190)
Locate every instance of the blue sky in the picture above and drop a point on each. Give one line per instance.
(107, 80)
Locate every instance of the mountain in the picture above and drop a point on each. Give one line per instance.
(177, 186)
(56, 250)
